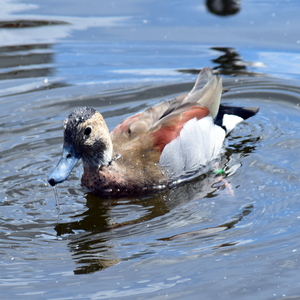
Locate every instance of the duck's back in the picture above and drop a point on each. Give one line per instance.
(182, 135)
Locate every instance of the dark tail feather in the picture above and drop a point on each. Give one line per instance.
(242, 112)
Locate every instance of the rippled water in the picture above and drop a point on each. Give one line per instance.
(231, 237)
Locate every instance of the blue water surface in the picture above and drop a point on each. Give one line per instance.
(208, 239)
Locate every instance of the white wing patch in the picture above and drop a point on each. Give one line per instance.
(230, 121)
(199, 142)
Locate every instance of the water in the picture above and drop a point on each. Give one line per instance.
(235, 237)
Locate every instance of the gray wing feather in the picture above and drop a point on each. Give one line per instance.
(207, 91)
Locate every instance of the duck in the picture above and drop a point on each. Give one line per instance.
(153, 150)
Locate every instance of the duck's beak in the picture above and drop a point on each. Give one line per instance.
(68, 160)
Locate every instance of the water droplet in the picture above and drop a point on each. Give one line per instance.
(56, 199)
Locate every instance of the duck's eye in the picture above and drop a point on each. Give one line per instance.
(87, 131)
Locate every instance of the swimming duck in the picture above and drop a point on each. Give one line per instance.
(154, 149)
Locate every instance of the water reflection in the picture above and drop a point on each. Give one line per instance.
(29, 23)
(230, 62)
(99, 231)
(146, 209)
(26, 61)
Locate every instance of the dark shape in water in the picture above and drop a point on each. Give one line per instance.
(29, 23)
(223, 7)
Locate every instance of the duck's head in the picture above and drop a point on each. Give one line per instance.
(86, 136)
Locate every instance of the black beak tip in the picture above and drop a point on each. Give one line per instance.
(51, 181)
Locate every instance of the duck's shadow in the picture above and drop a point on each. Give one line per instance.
(95, 236)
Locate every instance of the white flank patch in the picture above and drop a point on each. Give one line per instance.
(199, 142)
(230, 121)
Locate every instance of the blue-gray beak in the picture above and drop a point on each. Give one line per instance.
(64, 167)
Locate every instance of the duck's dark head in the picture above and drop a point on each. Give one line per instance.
(86, 136)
